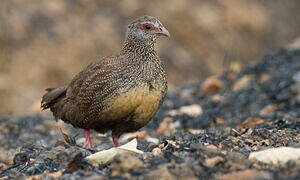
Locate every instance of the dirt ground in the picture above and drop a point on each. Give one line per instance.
(204, 130)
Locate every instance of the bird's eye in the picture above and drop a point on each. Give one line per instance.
(147, 27)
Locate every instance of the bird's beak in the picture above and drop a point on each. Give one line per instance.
(162, 31)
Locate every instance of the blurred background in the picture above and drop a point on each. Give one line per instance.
(45, 43)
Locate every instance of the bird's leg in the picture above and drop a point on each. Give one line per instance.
(116, 141)
(87, 140)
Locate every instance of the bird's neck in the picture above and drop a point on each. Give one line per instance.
(137, 47)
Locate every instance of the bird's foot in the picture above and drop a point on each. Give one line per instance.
(116, 142)
(87, 144)
(87, 140)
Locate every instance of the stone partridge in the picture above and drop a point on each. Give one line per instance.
(121, 93)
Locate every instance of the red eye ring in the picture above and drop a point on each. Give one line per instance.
(147, 27)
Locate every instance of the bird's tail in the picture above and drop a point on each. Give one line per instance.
(53, 99)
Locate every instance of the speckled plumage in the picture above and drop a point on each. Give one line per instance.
(120, 93)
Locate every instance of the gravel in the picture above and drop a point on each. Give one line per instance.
(255, 109)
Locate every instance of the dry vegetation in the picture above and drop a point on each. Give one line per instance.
(44, 43)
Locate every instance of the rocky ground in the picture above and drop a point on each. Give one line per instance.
(203, 131)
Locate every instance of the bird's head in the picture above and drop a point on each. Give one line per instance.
(147, 29)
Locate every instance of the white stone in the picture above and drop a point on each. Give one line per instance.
(106, 156)
(194, 110)
(276, 155)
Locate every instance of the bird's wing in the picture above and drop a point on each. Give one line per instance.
(93, 85)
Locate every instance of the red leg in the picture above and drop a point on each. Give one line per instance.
(116, 141)
(87, 140)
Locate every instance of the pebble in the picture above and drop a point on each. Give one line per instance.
(125, 163)
(251, 122)
(276, 155)
(242, 83)
(212, 85)
(212, 162)
(156, 151)
(162, 172)
(194, 110)
(165, 127)
(268, 110)
(246, 175)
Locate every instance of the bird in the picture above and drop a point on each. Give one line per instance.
(119, 93)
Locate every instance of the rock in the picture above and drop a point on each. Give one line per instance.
(173, 143)
(210, 146)
(296, 88)
(264, 78)
(60, 156)
(10, 128)
(246, 175)
(152, 140)
(34, 178)
(279, 155)
(147, 156)
(268, 110)
(186, 94)
(294, 45)
(165, 127)
(184, 171)
(156, 151)
(217, 98)
(251, 123)
(196, 131)
(31, 161)
(161, 172)
(242, 83)
(2, 167)
(296, 77)
(75, 163)
(211, 85)
(140, 135)
(106, 156)
(124, 163)
(55, 175)
(235, 66)
(219, 122)
(95, 177)
(7, 156)
(194, 110)
(212, 162)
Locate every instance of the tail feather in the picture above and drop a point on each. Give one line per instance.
(52, 98)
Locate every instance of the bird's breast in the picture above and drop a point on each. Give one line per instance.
(139, 103)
